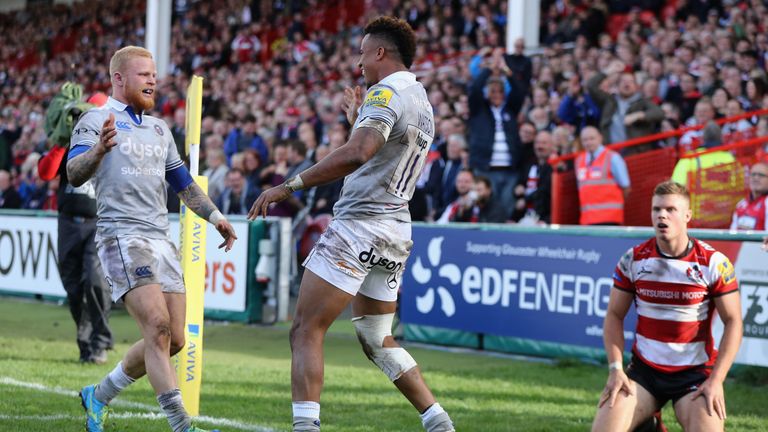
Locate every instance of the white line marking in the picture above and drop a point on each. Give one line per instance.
(153, 415)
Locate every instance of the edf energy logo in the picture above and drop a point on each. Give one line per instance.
(423, 275)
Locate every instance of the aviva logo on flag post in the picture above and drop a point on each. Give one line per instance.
(378, 97)
(194, 330)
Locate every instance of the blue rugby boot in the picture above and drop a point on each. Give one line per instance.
(95, 411)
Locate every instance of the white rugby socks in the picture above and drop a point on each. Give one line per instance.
(306, 416)
(112, 384)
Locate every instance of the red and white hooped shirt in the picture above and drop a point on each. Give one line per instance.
(674, 297)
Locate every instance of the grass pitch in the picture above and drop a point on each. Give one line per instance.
(246, 383)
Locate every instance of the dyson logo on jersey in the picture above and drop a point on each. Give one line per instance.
(371, 260)
(139, 150)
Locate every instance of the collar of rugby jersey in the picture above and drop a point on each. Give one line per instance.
(119, 106)
(399, 75)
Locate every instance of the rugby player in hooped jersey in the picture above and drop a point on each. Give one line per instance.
(131, 156)
(676, 283)
(361, 256)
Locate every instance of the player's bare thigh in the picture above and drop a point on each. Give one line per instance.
(693, 416)
(319, 303)
(628, 412)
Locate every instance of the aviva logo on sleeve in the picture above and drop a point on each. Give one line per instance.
(378, 97)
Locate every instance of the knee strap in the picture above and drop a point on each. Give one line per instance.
(371, 331)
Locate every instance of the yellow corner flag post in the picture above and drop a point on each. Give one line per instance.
(189, 361)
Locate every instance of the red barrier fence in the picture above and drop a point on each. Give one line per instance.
(714, 190)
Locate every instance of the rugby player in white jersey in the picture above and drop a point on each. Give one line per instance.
(361, 256)
(677, 283)
(130, 156)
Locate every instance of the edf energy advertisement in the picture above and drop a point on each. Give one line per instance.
(551, 288)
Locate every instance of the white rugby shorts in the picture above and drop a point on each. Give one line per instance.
(366, 256)
(131, 261)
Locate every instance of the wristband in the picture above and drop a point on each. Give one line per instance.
(215, 217)
(615, 365)
(294, 183)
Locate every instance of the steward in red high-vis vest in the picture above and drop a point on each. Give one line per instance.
(601, 200)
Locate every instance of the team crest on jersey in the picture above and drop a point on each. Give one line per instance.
(378, 98)
(159, 130)
(727, 272)
(694, 274)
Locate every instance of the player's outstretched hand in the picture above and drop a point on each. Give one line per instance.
(269, 196)
(618, 381)
(714, 396)
(107, 135)
(228, 233)
(353, 98)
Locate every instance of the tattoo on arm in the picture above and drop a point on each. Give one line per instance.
(82, 167)
(197, 201)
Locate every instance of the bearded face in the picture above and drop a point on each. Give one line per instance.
(139, 99)
(139, 83)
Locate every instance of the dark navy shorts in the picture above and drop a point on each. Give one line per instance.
(665, 386)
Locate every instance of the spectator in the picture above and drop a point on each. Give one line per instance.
(520, 65)
(603, 181)
(216, 173)
(464, 200)
(689, 171)
(238, 196)
(441, 185)
(720, 100)
(685, 95)
(484, 209)
(245, 137)
(10, 132)
(308, 137)
(736, 130)
(577, 107)
(711, 137)
(9, 197)
(627, 114)
(321, 199)
(535, 195)
(297, 158)
(703, 114)
(275, 174)
(252, 167)
(493, 134)
(751, 212)
(527, 136)
(179, 132)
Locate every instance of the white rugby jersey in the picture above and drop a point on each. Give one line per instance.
(674, 298)
(382, 187)
(130, 181)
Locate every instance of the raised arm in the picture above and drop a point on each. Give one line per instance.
(82, 166)
(593, 85)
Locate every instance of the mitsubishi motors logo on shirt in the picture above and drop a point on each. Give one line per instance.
(449, 273)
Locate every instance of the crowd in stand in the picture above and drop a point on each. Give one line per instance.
(274, 83)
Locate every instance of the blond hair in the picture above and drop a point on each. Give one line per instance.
(121, 56)
(670, 187)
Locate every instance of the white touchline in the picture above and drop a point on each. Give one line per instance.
(154, 414)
